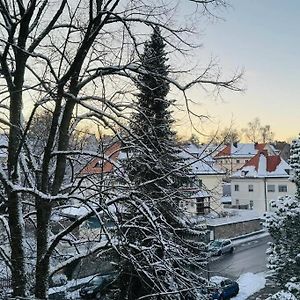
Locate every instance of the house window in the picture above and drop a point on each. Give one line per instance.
(237, 202)
(236, 187)
(271, 188)
(237, 161)
(251, 204)
(282, 188)
(250, 188)
(200, 206)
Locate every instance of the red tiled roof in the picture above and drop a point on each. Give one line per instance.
(98, 166)
(225, 152)
(254, 161)
(272, 161)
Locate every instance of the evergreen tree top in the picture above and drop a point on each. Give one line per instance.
(152, 83)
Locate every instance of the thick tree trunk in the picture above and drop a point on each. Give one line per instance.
(44, 208)
(42, 264)
(16, 226)
(15, 218)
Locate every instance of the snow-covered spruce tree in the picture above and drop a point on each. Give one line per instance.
(295, 163)
(284, 251)
(157, 258)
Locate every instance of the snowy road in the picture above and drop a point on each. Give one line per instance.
(248, 257)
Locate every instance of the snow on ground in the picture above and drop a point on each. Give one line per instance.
(250, 284)
(249, 237)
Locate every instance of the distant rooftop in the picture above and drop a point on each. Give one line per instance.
(201, 162)
(241, 150)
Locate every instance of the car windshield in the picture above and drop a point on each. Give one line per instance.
(216, 244)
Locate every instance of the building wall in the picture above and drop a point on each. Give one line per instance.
(235, 229)
(257, 198)
(213, 185)
(232, 164)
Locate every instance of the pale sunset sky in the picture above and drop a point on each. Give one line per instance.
(261, 37)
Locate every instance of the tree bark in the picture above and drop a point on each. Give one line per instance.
(15, 219)
(42, 235)
(17, 233)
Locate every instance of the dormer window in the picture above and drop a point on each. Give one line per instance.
(244, 173)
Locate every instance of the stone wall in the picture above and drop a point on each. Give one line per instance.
(236, 229)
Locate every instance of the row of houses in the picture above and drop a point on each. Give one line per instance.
(256, 174)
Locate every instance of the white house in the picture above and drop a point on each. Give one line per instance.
(234, 156)
(210, 177)
(262, 179)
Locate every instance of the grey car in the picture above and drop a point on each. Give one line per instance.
(219, 247)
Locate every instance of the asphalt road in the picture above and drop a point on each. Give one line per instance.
(247, 257)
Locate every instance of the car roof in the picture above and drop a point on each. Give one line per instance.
(222, 240)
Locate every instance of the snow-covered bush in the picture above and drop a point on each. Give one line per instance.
(284, 251)
(282, 295)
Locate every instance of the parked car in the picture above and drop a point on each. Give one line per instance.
(227, 289)
(97, 286)
(219, 247)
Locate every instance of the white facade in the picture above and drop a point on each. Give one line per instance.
(210, 175)
(256, 193)
(264, 178)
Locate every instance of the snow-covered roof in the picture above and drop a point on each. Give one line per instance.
(206, 166)
(234, 216)
(264, 165)
(241, 150)
(203, 149)
(201, 194)
(200, 162)
(197, 158)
